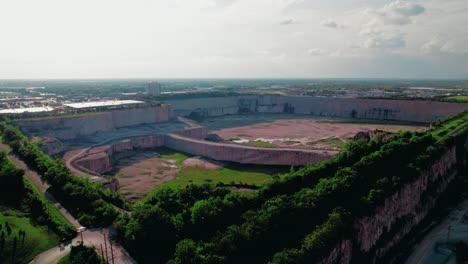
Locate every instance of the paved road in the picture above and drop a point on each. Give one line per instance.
(42, 186)
(93, 237)
(424, 251)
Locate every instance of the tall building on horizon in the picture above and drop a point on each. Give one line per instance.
(153, 87)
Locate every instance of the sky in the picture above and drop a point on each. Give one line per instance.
(233, 39)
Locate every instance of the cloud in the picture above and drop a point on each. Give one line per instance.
(317, 52)
(288, 21)
(398, 12)
(331, 24)
(439, 45)
(384, 41)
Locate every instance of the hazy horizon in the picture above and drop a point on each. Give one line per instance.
(234, 39)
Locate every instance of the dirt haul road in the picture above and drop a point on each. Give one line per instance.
(94, 238)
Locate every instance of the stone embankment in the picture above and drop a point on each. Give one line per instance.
(381, 231)
(71, 127)
(99, 159)
(378, 109)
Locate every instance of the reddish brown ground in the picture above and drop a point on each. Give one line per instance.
(305, 133)
(140, 174)
(199, 162)
(138, 178)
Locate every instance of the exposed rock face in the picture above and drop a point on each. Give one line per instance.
(245, 154)
(400, 110)
(52, 146)
(66, 128)
(194, 132)
(99, 159)
(398, 214)
(407, 202)
(342, 253)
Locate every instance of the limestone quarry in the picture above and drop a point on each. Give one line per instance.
(248, 129)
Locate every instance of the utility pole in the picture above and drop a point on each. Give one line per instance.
(112, 251)
(102, 252)
(105, 245)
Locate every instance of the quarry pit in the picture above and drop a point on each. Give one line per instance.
(255, 136)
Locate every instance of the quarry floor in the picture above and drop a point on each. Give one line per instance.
(295, 131)
(140, 172)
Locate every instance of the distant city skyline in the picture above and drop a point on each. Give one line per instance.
(233, 39)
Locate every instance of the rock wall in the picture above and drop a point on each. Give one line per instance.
(378, 233)
(65, 128)
(245, 154)
(99, 159)
(342, 253)
(380, 109)
(408, 204)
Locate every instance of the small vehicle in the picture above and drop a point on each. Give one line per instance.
(81, 229)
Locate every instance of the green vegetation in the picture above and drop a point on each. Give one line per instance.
(225, 176)
(298, 218)
(65, 260)
(21, 239)
(53, 216)
(179, 157)
(16, 191)
(259, 143)
(442, 128)
(81, 254)
(84, 199)
(29, 224)
(458, 98)
(332, 142)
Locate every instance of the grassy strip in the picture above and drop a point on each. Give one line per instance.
(65, 260)
(62, 225)
(457, 98)
(442, 128)
(224, 175)
(179, 157)
(37, 238)
(262, 144)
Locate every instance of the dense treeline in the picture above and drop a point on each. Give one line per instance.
(12, 187)
(17, 192)
(167, 215)
(89, 202)
(81, 254)
(297, 219)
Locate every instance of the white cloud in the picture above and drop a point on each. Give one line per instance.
(206, 38)
(317, 52)
(287, 21)
(399, 12)
(382, 41)
(439, 45)
(331, 24)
